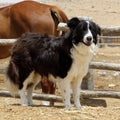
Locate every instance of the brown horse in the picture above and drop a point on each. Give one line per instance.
(4, 30)
(30, 16)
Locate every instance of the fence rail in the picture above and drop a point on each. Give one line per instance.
(84, 94)
(93, 65)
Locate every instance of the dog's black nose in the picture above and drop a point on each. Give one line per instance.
(89, 38)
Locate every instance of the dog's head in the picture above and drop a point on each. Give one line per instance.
(84, 31)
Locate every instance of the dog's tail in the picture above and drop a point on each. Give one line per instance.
(12, 78)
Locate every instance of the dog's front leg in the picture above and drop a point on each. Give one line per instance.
(76, 93)
(64, 87)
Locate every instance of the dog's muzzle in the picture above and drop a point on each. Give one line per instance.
(88, 41)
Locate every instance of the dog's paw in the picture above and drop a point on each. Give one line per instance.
(79, 106)
(67, 107)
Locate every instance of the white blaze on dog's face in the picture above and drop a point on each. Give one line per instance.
(88, 37)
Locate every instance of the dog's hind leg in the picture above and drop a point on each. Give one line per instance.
(29, 85)
(23, 98)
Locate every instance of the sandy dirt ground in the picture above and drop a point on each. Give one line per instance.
(105, 13)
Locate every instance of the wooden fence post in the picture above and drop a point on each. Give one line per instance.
(88, 81)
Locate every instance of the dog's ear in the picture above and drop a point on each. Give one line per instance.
(97, 28)
(73, 22)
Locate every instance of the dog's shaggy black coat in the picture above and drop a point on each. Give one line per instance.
(41, 53)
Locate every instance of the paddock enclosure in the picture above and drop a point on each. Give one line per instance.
(105, 81)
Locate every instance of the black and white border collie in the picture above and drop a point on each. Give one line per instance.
(64, 60)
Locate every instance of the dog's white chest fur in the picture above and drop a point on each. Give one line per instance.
(82, 56)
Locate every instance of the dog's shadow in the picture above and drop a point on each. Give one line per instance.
(84, 102)
(93, 102)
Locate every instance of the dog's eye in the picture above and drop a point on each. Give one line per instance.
(84, 28)
(90, 28)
